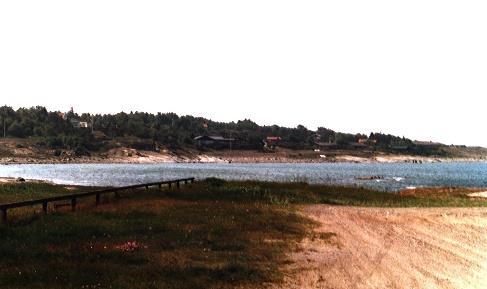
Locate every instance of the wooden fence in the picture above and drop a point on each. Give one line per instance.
(74, 197)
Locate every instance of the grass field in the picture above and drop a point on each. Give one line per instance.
(211, 234)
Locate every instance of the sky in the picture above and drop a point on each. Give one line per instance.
(410, 68)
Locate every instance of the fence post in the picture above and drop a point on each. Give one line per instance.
(4, 216)
(73, 204)
(74, 197)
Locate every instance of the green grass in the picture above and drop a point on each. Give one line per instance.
(181, 243)
(211, 234)
(15, 192)
(302, 193)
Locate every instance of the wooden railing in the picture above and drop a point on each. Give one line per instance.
(74, 197)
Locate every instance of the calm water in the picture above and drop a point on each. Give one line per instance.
(395, 176)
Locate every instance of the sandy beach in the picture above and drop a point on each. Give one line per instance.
(132, 156)
(392, 248)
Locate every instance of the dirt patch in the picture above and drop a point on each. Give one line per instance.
(478, 195)
(392, 248)
(439, 191)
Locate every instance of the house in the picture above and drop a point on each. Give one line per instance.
(367, 141)
(271, 141)
(215, 142)
(74, 122)
(78, 124)
(99, 135)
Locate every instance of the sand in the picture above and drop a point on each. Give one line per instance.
(392, 248)
(478, 195)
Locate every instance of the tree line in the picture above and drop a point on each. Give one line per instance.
(59, 130)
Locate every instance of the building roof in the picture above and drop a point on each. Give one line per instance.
(273, 138)
(356, 144)
(213, 137)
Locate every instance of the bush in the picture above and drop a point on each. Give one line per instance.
(54, 142)
(81, 151)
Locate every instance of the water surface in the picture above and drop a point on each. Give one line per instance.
(394, 176)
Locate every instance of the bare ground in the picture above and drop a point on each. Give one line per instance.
(19, 151)
(392, 248)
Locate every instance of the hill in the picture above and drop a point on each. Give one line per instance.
(38, 133)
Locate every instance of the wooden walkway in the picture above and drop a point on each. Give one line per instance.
(74, 197)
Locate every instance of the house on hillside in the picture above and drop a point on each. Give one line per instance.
(271, 142)
(214, 142)
(367, 141)
(79, 124)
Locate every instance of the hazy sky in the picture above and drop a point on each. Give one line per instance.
(412, 68)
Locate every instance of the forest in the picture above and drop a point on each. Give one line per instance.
(93, 132)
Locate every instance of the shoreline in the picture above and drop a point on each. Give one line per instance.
(350, 159)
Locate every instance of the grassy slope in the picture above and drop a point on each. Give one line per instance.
(181, 241)
(15, 192)
(208, 235)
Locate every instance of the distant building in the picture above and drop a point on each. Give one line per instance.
(363, 140)
(367, 141)
(74, 123)
(215, 142)
(271, 141)
(79, 124)
(99, 135)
